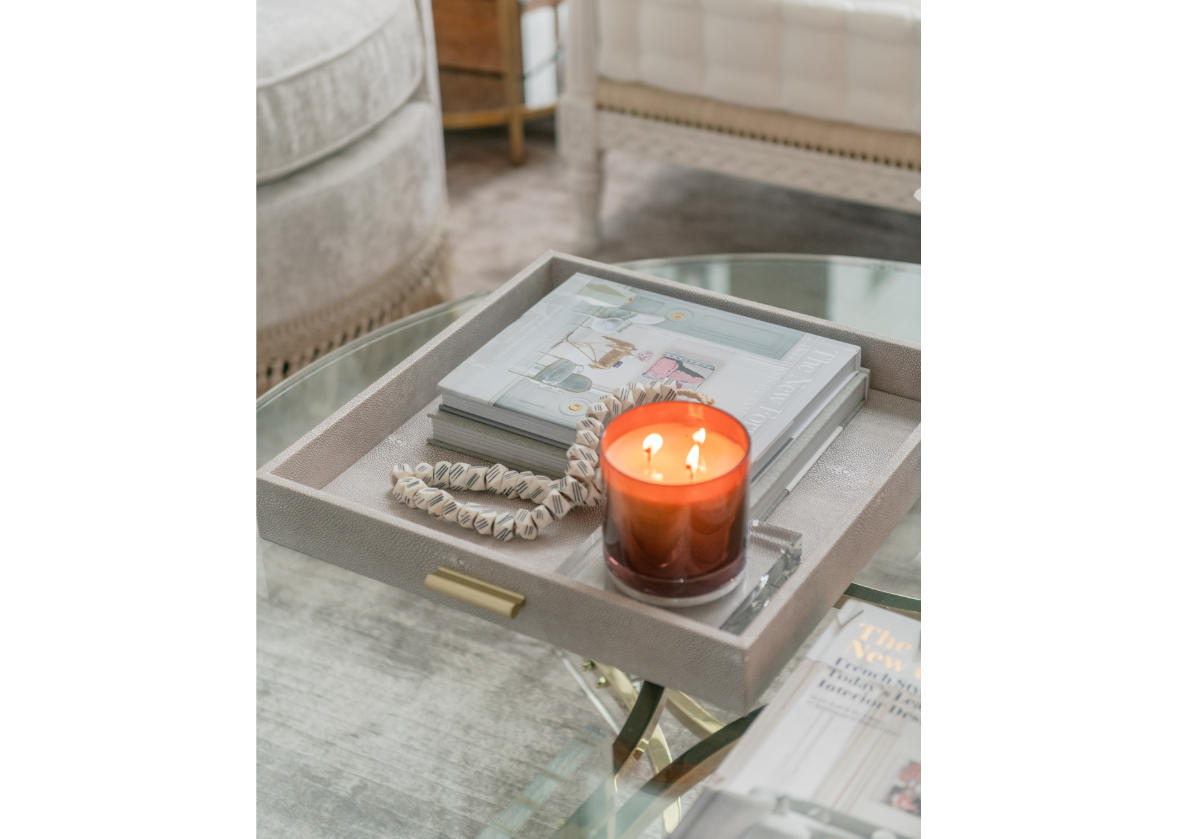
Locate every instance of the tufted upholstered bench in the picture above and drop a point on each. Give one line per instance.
(817, 95)
(351, 174)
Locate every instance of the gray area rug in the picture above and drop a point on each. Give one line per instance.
(503, 216)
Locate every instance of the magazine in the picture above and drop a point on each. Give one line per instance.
(837, 752)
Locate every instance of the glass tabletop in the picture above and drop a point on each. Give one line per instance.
(381, 714)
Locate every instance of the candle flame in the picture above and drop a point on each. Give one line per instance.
(652, 444)
(699, 436)
(693, 458)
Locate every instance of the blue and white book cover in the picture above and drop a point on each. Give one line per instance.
(590, 336)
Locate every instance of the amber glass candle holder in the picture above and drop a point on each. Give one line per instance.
(676, 477)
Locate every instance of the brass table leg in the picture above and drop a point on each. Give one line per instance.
(655, 745)
(631, 742)
(693, 766)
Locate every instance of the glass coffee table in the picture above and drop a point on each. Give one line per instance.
(382, 714)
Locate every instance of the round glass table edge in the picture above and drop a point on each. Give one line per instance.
(696, 259)
(351, 347)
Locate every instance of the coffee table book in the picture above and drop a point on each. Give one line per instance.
(328, 495)
(589, 337)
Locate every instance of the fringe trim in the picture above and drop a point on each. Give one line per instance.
(421, 282)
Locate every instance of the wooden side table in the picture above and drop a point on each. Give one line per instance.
(498, 63)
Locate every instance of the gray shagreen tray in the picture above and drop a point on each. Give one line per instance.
(328, 495)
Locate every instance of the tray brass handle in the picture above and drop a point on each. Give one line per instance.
(462, 587)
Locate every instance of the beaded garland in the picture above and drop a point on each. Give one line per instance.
(426, 486)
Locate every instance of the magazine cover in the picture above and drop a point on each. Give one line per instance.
(842, 739)
(589, 337)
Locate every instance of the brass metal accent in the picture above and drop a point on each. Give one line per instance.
(665, 788)
(602, 682)
(628, 746)
(476, 592)
(655, 746)
(693, 716)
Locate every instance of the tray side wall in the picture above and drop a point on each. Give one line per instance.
(634, 637)
(802, 602)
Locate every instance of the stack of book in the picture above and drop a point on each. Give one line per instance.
(518, 398)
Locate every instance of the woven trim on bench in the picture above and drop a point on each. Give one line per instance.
(897, 149)
(418, 283)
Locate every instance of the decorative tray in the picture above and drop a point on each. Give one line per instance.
(328, 495)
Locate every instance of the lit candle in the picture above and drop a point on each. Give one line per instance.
(675, 523)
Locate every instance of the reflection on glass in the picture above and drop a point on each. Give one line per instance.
(866, 294)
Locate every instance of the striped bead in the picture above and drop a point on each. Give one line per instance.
(484, 521)
(578, 452)
(581, 470)
(525, 526)
(558, 504)
(495, 476)
(542, 516)
(476, 478)
(504, 527)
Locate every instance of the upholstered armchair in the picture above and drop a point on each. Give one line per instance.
(351, 174)
(812, 95)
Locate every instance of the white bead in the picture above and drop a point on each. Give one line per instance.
(411, 490)
(540, 490)
(598, 411)
(574, 490)
(405, 487)
(508, 485)
(401, 470)
(504, 527)
(578, 452)
(424, 496)
(424, 471)
(484, 521)
(640, 393)
(615, 407)
(581, 469)
(495, 476)
(457, 474)
(558, 504)
(446, 508)
(595, 498)
(525, 525)
(476, 478)
(590, 424)
(586, 437)
(542, 517)
(441, 470)
(526, 484)
(435, 502)
(669, 392)
(466, 515)
(625, 394)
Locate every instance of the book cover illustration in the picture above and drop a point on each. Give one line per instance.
(589, 337)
